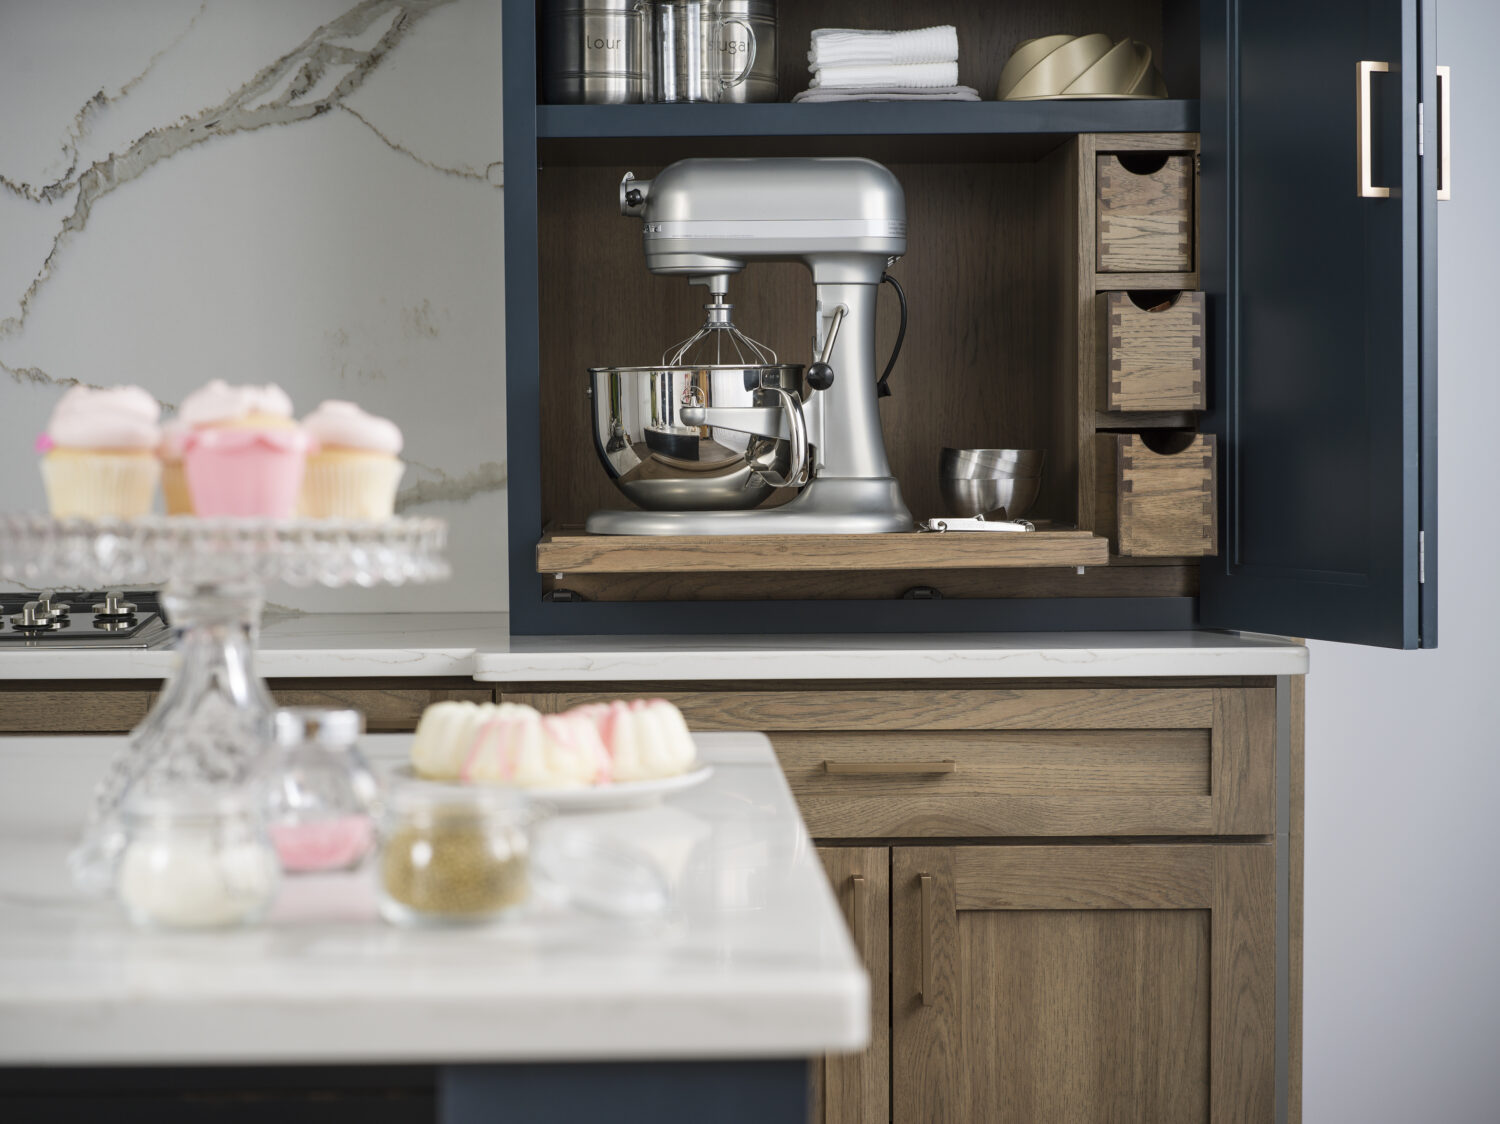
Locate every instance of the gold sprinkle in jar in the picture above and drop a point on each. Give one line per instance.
(452, 853)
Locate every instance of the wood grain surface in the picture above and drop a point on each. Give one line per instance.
(1114, 580)
(1244, 762)
(1153, 504)
(1151, 358)
(855, 1088)
(565, 553)
(1145, 220)
(845, 708)
(1083, 983)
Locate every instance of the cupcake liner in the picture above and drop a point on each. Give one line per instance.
(99, 485)
(174, 488)
(251, 478)
(351, 487)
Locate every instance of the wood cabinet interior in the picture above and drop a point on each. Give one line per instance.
(1000, 277)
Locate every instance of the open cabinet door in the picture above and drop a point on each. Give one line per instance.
(1319, 269)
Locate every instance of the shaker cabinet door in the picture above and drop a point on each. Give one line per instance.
(855, 1088)
(1317, 254)
(1077, 984)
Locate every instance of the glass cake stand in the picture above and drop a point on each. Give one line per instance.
(211, 724)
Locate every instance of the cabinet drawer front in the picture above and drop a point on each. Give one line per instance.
(1151, 358)
(386, 709)
(1001, 782)
(1145, 217)
(1047, 762)
(917, 709)
(1157, 505)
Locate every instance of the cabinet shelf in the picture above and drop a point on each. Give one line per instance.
(883, 119)
(575, 552)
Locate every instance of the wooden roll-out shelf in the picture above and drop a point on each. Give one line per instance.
(576, 552)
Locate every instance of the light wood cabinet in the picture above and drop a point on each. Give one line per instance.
(1074, 984)
(856, 1088)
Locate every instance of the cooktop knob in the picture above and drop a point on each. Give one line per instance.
(31, 618)
(114, 605)
(45, 604)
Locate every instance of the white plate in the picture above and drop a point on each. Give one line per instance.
(626, 794)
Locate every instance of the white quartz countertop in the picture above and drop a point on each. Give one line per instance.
(480, 646)
(752, 958)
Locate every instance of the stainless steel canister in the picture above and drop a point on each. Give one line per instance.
(596, 52)
(761, 83)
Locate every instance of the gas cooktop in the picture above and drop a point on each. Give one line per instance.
(89, 619)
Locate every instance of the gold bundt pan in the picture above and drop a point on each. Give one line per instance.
(1080, 66)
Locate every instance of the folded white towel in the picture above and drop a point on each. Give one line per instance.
(913, 75)
(872, 93)
(839, 46)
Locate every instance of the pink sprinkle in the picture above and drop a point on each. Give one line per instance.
(332, 844)
(44, 443)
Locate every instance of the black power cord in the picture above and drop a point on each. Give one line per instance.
(882, 388)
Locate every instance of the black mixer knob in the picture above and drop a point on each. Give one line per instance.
(820, 376)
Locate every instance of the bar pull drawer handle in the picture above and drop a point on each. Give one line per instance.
(859, 907)
(1445, 151)
(929, 992)
(1363, 140)
(878, 768)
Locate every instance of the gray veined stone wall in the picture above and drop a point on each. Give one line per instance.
(300, 191)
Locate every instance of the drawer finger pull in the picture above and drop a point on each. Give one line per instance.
(928, 990)
(870, 768)
(1363, 140)
(858, 907)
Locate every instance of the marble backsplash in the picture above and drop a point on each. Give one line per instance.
(306, 192)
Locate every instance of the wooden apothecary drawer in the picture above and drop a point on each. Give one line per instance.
(1151, 351)
(1145, 213)
(954, 762)
(1157, 504)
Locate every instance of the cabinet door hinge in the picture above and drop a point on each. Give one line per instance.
(1421, 131)
(1421, 557)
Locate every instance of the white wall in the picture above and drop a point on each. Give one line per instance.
(1402, 1016)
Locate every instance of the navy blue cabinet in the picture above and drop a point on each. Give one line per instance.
(1320, 268)
(1320, 299)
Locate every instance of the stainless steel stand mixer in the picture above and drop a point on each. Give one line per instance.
(709, 441)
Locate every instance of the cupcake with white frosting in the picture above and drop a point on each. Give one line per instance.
(99, 453)
(355, 470)
(242, 454)
(174, 489)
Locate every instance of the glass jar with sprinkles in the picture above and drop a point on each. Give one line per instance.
(451, 853)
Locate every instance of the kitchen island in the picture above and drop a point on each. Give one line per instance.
(708, 1012)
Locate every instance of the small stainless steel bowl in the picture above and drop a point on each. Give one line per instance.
(979, 481)
(664, 465)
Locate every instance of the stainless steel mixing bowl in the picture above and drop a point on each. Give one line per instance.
(979, 481)
(662, 464)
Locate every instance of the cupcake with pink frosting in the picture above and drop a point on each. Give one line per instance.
(242, 453)
(354, 471)
(99, 453)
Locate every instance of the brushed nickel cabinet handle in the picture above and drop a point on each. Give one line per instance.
(928, 991)
(1445, 152)
(1367, 188)
(874, 768)
(858, 907)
